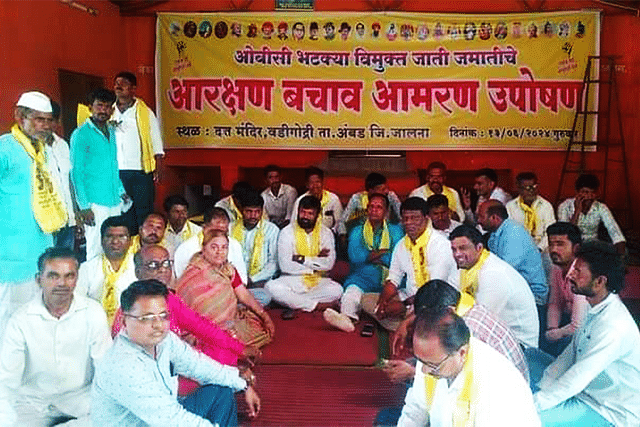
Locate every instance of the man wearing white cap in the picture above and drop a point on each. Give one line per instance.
(31, 207)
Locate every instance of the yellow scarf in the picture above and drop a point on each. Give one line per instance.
(530, 216)
(418, 253)
(303, 248)
(239, 232)
(360, 211)
(464, 410)
(136, 244)
(109, 299)
(49, 210)
(469, 278)
(367, 234)
(144, 131)
(236, 212)
(465, 304)
(449, 194)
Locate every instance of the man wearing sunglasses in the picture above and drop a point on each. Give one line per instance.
(462, 381)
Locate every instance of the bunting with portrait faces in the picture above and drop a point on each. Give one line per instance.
(373, 81)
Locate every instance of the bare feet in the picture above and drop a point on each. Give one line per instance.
(322, 306)
(338, 320)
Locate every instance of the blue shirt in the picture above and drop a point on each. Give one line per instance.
(513, 243)
(21, 238)
(131, 388)
(95, 173)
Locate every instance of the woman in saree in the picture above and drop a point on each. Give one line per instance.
(211, 286)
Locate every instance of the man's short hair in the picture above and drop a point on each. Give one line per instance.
(157, 215)
(489, 173)
(589, 181)
(252, 199)
(442, 322)
(434, 294)
(495, 207)
(526, 176)
(102, 95)
(215, 212)
(436, 165)
(171, 201)
(467, 231)
(373, 180)
(55, 253)
(381, 196)
(128, 75)
(603, 260)
(309, 172)
(310, 202)
(414, 204)
(272, 168)
(560, 228)
(436, 201)
(114, 221)
(55, 110)
(141, 288)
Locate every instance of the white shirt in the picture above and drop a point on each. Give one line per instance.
(452, 226)
(287, 248)
(333, 205)
(601, 366)
(355, 205)
(128, 138)
(227, 204)
(589, 223)
(503, 398)
(425, 192)
(440, 264)
(192, 246)
(544, 212)
(279, 207)
(173, 239)
(268, 253)
(59, 164)
(48, 361)
(91, 278)
(505, 293)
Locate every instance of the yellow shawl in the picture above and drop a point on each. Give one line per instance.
(239, 232)
(449, 194)
(469, 278)
(49, 210)
(109, 298)
(418, 253)
(530, 216)
(303, 248)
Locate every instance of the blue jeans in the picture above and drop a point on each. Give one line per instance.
(538, 361)
(572, 412)
(214, 403)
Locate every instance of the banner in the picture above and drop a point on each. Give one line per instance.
(374, 80)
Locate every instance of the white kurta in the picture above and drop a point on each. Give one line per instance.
(425, 192)
(128, 137)
(174, 239)
(330, 221)
(91, 279)
(544, 212)
(192, 246)
(59, 164)
(503, 399)
(279, 207)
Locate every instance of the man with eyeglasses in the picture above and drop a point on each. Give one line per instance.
(136, 382)
(462, 381)
(51, 347)
(531, 210)
(106, 275)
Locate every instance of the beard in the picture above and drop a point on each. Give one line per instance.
(306, 223)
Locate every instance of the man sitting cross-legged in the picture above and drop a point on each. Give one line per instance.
(136, 382)
(50, 349)
(370, 248)
(306, 249)
(462, 381)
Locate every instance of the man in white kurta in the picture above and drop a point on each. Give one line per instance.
(50, 350)
(331, 210)
(302, 285)
(436, 176)
(179, 228)
(495, 284)
(486, 187)
(499, 395)
(278, 197)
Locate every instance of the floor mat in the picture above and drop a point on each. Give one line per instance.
(309, 340)
(298, 396)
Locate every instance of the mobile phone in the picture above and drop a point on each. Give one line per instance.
(367, 330)
(329, 213)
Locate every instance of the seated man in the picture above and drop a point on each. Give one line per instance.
(436, 176)
(179, 228)
(530, 210)
(105, 276)
(232, 203)
(596, 379)
(566, 311)
(370, 248)
(356, 210)
(587, 213)
(462, 381)
(50, 349)
(278, 197)
(421, 256)
(440, 214)
(495, 284)
(331, 208)
(151, 232)
(136, 382)
(486, 187)
(306, 250)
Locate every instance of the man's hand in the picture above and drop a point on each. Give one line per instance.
(87, 217)
(268, 323)
(375, 257)
(399, 371)
(578, 203)
(465, 198)
(253, 401)
(158, 173)
(251, 354)
(324, 253)
(400, 336)
(125, 198)
(553, 334)
(387, 306)
(298, 258)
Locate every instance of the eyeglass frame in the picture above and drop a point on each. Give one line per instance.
(435, 369)
(148, 319)
(167, 263)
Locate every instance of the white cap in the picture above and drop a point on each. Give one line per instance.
(36, 101)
